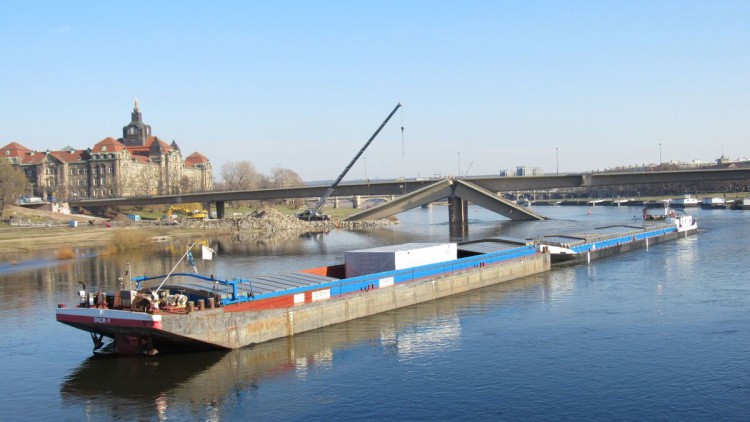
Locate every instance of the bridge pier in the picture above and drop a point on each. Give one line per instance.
(219, 209)
(356, 201)
(458, 212)
(335, 202)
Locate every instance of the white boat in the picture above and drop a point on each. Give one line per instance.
(741, 204)
(686, 201)
(713, 203)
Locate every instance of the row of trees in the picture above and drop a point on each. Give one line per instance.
(239, 175)
(242, 175)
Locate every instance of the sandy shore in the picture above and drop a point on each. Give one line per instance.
(26, 239)
(58, 235)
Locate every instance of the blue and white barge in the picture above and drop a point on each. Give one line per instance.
(611, 240)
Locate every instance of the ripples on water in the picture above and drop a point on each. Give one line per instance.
(657, 334)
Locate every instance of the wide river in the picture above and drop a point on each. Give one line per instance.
(657, 334)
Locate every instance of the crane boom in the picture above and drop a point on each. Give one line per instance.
(313, 212)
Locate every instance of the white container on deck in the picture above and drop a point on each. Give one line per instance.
(396, 257)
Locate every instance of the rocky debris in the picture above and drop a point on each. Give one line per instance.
(271, 220)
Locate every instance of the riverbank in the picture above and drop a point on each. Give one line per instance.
(27, 239)
(44, 230)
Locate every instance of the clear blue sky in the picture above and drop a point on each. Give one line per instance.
(303, 85)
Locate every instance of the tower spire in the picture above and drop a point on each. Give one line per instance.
(136, 133)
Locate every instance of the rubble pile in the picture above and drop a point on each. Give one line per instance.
(271, 220)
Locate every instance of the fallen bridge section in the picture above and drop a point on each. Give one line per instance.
(459, 193)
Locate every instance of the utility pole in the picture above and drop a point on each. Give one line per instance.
(557, 162)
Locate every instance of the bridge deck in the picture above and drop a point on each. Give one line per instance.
(448, 188)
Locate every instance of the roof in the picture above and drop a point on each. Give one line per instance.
(109, 145)
(33, 157)
(493, 244)
(14, 149)
(195, 158)
(71, 156)
(404, 247)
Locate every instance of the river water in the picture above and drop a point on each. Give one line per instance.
(658, 334)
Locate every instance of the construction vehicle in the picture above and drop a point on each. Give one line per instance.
(195, 214)
(311, 215)
(314, 214)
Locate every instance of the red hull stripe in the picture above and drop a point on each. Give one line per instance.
(108, 317)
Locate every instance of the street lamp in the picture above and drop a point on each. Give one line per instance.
(364, 160)
(557, 162)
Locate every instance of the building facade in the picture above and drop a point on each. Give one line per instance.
(138, 164)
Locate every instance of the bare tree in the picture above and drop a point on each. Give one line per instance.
(145, 181)
(286, 178)
(12, 183)
(239, 175)
(186, 185)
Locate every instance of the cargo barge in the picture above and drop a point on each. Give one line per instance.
(567, 249)
(182, 312)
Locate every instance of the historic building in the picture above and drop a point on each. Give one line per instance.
(138, 164)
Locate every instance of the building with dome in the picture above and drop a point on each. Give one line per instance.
(138, 164)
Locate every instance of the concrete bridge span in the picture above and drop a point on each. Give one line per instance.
(459, 193)
(403, 187)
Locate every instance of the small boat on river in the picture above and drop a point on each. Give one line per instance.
(686, 201)
(668, 213)
(713, 204)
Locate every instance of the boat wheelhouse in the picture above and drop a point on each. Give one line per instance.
(686, 201)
